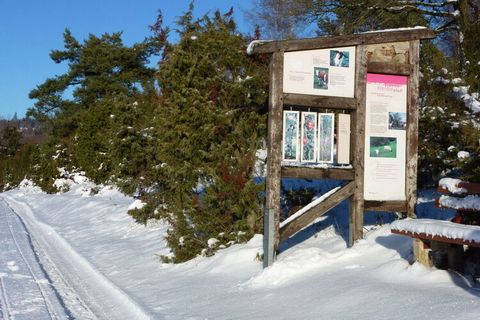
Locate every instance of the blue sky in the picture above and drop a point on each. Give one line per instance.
(29, 30)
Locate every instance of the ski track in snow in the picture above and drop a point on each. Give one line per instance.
(25, 291)
(86, 291)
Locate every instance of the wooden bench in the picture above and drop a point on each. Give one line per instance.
(462, 196)
(440, 237)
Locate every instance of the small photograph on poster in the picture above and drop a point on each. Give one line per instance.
(383, 147)
(325, 137)
(339, 58)
(397, 120)
(309, 137)
(290, 135)
(320, 78)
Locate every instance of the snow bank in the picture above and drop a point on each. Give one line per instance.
(315, 277)
(28, 186)
(439, 228)
(137, 204)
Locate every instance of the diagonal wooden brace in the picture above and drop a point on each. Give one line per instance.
(323, 207)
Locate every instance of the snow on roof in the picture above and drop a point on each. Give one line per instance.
(395, 29)
(252, 45)
(322, 165)
(440, 228)
(471, 202)
(451, 185)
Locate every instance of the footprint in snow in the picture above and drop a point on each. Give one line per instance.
(12, 265)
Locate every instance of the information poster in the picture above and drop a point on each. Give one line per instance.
(343, 139)
(385, 137)
(325, 137)
(327, 72)
(291, 126)
(309, 137)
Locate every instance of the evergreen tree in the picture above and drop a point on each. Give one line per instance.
(11, 140)
(209, 120)
(99, 67)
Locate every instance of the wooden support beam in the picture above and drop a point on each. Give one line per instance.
(274, 160)
(412, 130)
(351, 200)
(323, 207)
(357, 212)
(389, 206)
(319, 101)
(317, 173)
(348, 40)
(389, 68)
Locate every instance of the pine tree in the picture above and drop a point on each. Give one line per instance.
(98, 68)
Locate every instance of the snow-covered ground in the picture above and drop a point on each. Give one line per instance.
(102, 265)
(25, 292)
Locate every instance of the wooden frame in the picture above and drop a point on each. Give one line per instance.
(353, 190)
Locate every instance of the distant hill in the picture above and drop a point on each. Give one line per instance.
(31, 130)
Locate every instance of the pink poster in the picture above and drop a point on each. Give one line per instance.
(385, 137)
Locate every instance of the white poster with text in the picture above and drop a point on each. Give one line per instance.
(385, 137)
(325, 72)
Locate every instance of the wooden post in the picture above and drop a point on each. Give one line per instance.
(358, 205)
(412, 129)
(351, 200)
(274, 158)
(421, 252)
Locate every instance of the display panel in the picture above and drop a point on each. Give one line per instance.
(291, 126)
(327, 72)
(385, 137)
(326, 125)
(309, 137)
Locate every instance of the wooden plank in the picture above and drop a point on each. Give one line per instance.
(351, 221)
(412, 130)
(341, 41)
(471, 188)
(359, 134)
(319, 101)
(389, 68)
(415, 235)
(394, 52)
(274, 158)
(323, 207)
(317, 173)
(389, 206)
(351, 200)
